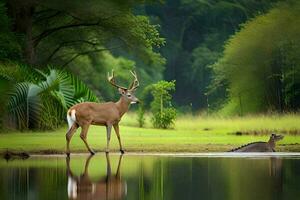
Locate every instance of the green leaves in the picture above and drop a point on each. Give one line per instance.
(81, 92)
(261, 63)
(44, 104)
(161, 107)
(99, 26)
(18, 105)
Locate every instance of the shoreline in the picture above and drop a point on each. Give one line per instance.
(291, 149)
(177, 154)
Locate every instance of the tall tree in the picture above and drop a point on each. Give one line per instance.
(61, 32)
(261, 65)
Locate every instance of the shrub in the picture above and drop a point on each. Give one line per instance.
(163, 112)
(164, 119)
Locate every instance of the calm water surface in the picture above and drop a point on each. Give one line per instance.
(150, 177)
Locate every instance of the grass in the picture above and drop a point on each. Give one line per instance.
(191, 134)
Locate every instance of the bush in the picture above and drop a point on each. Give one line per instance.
(164, 119)
(163, 112)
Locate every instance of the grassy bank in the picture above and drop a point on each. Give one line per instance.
(190, 134)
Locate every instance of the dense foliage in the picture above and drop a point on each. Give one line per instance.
(40, 99)
(195, 32)
(261, 65)
(82, 36)
(86, 38)
(228, 55)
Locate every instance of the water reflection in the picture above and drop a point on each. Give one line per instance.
(108, 187)
(150, 177)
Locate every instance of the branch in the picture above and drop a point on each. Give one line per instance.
(69, 43)
(48, 32)
(41, 12)
(48, 17)
(87, 52)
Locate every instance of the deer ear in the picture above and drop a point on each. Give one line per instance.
(121, 91)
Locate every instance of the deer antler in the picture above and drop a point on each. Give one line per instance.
(111, 80)
(135, 84)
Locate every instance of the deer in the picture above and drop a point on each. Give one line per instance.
(107, 114)
(110, 186)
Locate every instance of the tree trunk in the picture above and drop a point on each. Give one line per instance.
(21, 13)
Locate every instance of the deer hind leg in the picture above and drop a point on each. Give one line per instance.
(83, 134)
(117, 130)
(108, 134)
(69, 135)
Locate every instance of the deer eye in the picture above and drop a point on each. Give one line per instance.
(129, 95)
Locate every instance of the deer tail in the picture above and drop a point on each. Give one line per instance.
(71, 118)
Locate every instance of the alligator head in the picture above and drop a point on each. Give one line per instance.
(275, 137)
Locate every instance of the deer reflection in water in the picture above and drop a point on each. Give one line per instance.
(109, 187)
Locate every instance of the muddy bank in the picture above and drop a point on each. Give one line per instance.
(9, 155)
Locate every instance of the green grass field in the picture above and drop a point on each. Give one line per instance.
(190, 134)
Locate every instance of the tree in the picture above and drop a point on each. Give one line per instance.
(59, 33)
(9, 41)
(195, 32)
(260, 63)
(163, 112)
(84, 37)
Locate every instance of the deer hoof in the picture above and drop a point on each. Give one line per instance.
(122, 151)
(92, 152)
(68, 154)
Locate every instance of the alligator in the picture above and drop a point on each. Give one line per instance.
(260, 146)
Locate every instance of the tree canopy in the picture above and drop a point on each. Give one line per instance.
(260, 63)
(58, 33)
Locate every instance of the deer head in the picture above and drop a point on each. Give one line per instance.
(127, 93)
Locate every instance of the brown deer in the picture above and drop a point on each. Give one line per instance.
(110, 187)
(106, 114)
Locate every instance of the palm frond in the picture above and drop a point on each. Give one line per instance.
(82, 92)
(31, 104)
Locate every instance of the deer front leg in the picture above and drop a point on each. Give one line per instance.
(83, 134)
(87, 163)
(119, 166)
(108, 134)
(117, 130)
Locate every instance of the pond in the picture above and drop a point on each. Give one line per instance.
(153, 177)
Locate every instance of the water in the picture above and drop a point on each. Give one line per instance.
(151, 177)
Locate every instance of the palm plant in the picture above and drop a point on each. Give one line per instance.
(43, 104)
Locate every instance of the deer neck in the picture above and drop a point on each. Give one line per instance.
(122, 105)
